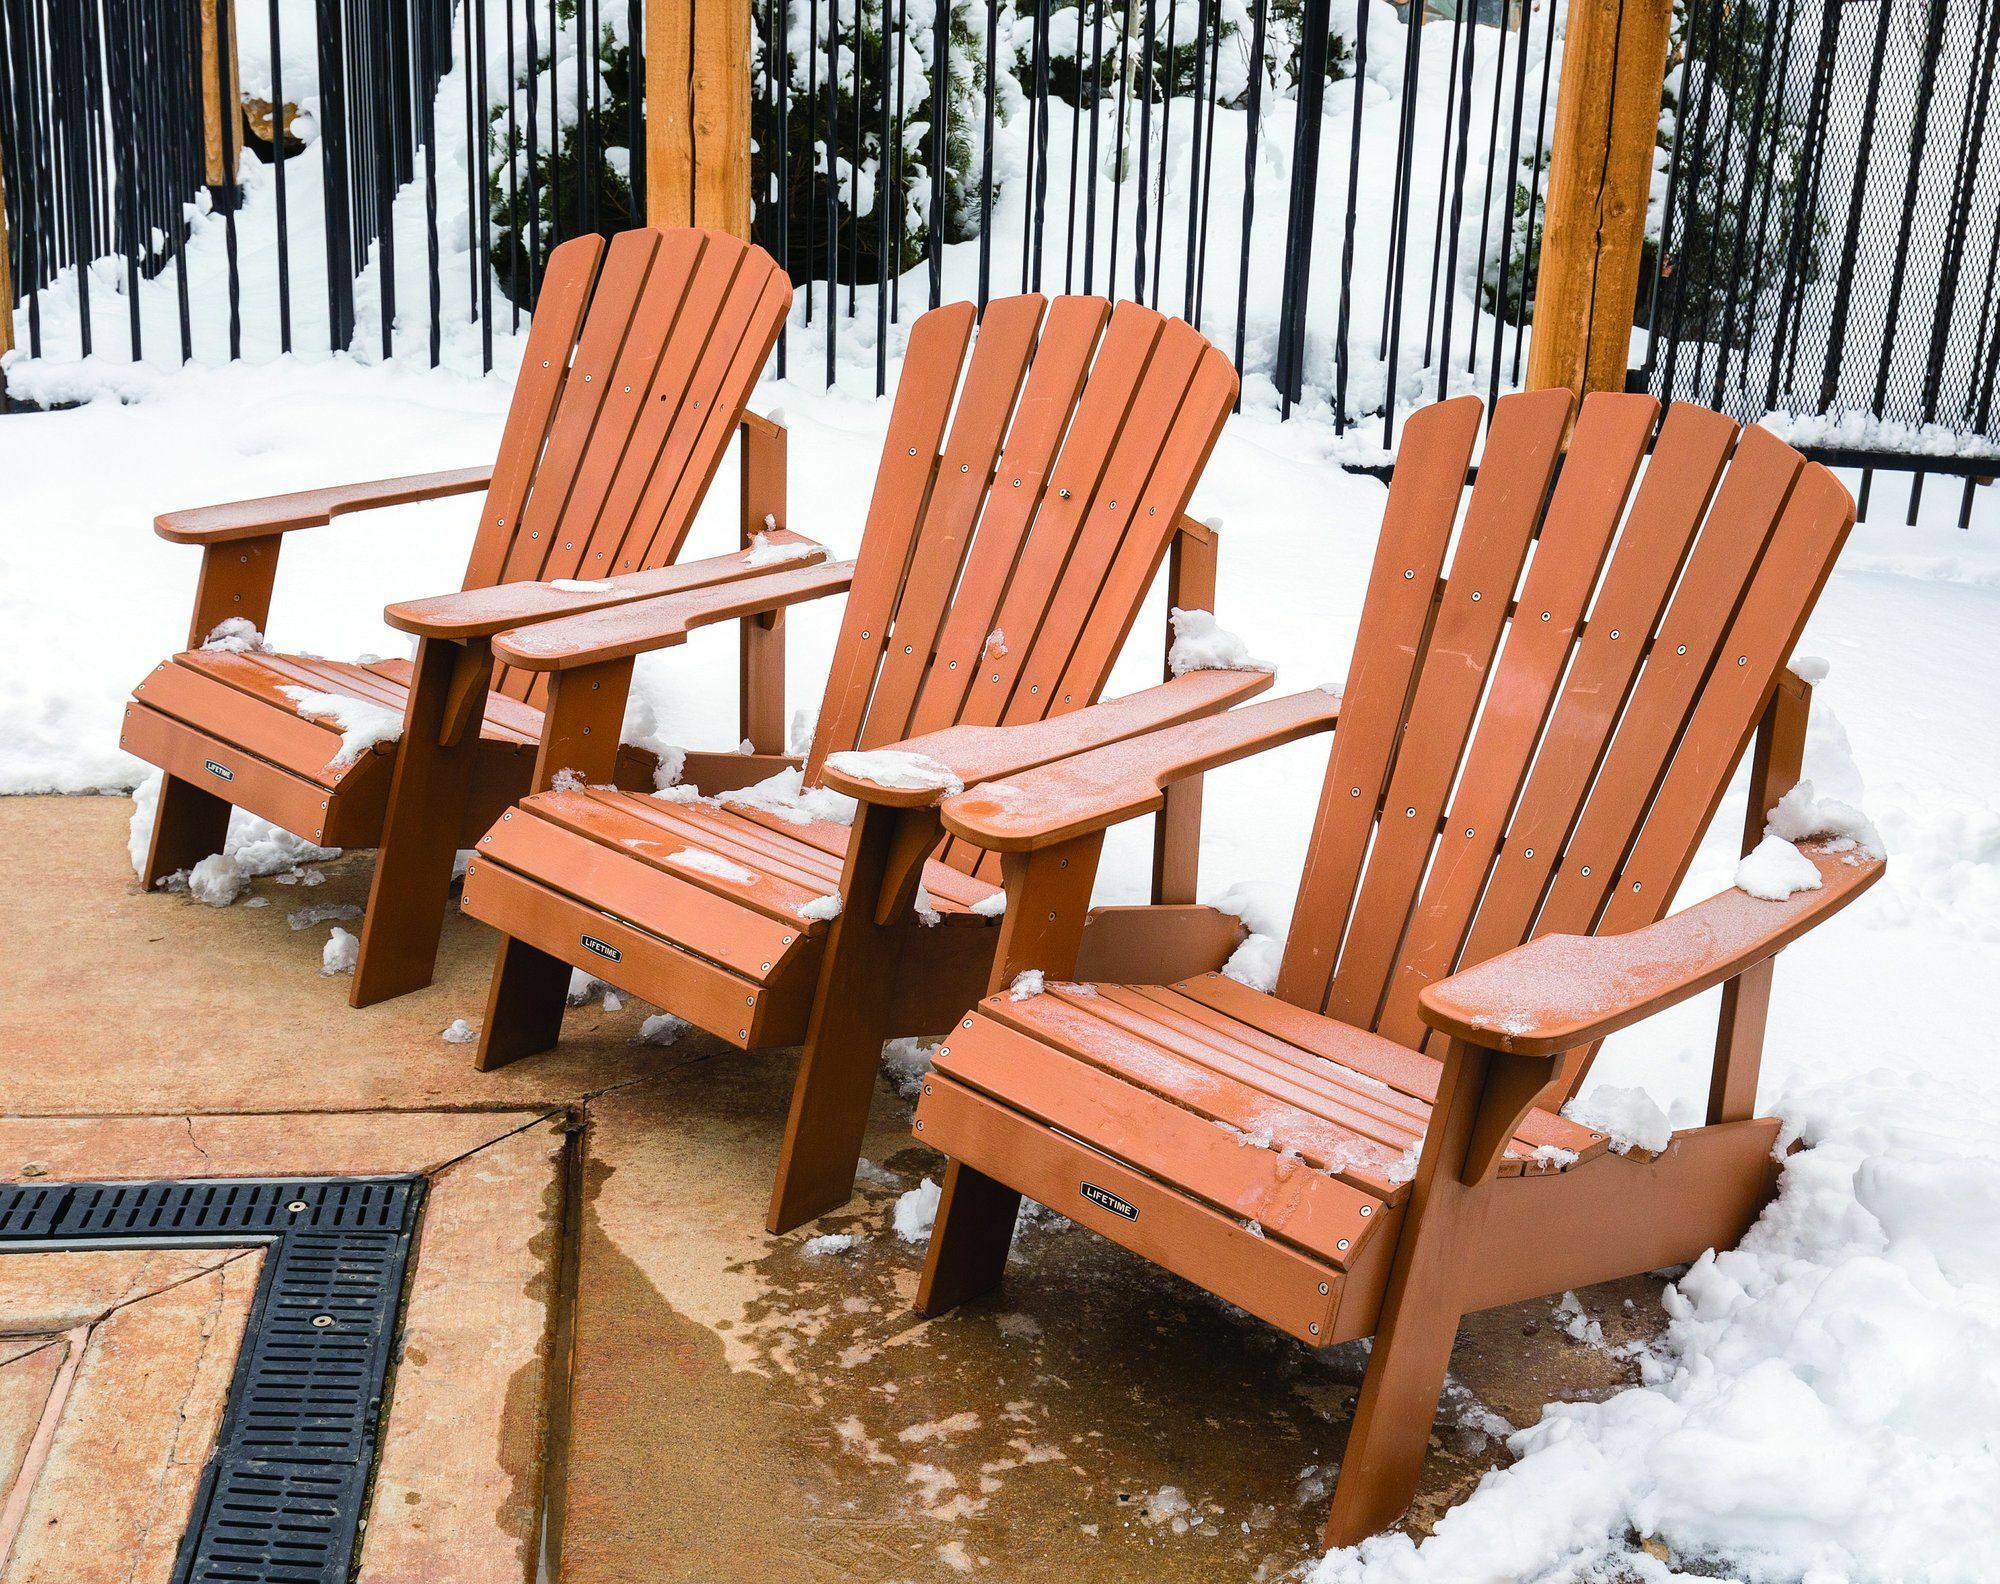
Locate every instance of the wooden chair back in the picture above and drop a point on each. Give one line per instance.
(1534, 740)
(639, 365)
(1026, 497)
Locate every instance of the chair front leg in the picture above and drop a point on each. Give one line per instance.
(1482, 1097)
(428, 793)
(850, 1014)
(189, 823)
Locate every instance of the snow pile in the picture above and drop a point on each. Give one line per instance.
(362, 724)
(1775, 869)
(662, 1028)
(1203, 644)
(217, 880)
(459, 1032)
(1822, 1403)
(820, 909)
(709, 864)
(916, 1212)
(765, 551)
(991, 906)
(237, 635)
(906, 1063)
(254, 846)
(787, 796)
(1630, 1118)
(341, 952)
(583, 585)
(1263, 909)
(828, 1243)
(925, 909)
(1028, 982)
(893, 767)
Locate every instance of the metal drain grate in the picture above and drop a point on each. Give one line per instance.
(280, 1500)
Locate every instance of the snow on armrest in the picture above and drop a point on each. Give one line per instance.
(276, 514)
(482, 612)
(969, 754)
(1092, 791)
(617, 631)
(1563, 992)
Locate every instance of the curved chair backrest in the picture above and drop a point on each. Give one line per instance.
(639, 365)
(1019, 515)
(1520, 755)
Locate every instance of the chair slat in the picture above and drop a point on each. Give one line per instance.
(1687, 460)
(1522, 445)
(1048, 403)
(1604, 456)
(559, 311)
(993, 382)
(1416, 527)
(931, 366)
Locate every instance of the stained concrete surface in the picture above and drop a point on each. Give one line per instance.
(611, 1372)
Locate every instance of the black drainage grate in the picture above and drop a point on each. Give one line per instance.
(280, 1500)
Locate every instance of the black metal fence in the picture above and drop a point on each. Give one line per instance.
(1831, 247)
(407, 162)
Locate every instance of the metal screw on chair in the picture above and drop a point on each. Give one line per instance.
(1324, 1289)
(1341, 1244)
(1367, 1209)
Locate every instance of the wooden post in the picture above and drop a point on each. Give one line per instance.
(698, 114)
(221, 112)
(1600, 173)
(6, 275)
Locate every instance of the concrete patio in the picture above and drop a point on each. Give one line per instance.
(609, 1372)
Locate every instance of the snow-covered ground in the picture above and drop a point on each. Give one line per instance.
(1825, 1402)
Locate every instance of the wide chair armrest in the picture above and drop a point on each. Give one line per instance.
(1094, 790)
(1565, 992)
(620, 631)
(962, 756)
(482, 612)
(277, 514)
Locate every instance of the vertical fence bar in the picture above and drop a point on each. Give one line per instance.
(1253, 117)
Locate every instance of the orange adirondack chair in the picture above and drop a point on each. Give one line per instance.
(635, 379)
(1001, 567)
(1514, 794)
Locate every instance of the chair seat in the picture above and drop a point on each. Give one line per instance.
(223, 720)
(1214, 1110)
(717, 909)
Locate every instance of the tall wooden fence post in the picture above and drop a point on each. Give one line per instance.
(6, 274)
(698, 114)
(1600, 174)
(221, 99)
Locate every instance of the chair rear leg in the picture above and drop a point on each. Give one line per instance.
(189, 823)
(524, 1006)
(969, 1242)
(830, 1100)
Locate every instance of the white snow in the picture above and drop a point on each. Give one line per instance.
(892, 767)
(255, 846)
(709, 863)
(237, 635)
(341, 952)
(459, 1032)
(820, 909)
(362, 723)
(1203, 644)
(906, 1062)
(991, 906)
(1028, 982)
(786, 795)
(661, 1028)
(916, 1211)
(925, 909)
(583, 585)
(828, 1243)
(1630, 1117)
(1774, 869)
(217, 880)
(1800, 816)
(765, 551)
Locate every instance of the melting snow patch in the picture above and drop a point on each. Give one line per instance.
(907, 1062)
(892, 767)
(765, 551)
(1800, 816)
(819, 909)
(459, 1033)
(709, 864)
(217, 880)
(832, 1243)
(925, 909)
(1255, 962)
(786, 796)
(362, 724)
(916, 1212)
(1028, 982)
(1404, 1168)
(341, 952)
(583, 585)
(1203, 644)
(991, 906)
(1775, 869)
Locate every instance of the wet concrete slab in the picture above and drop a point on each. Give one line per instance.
(611, 1373)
